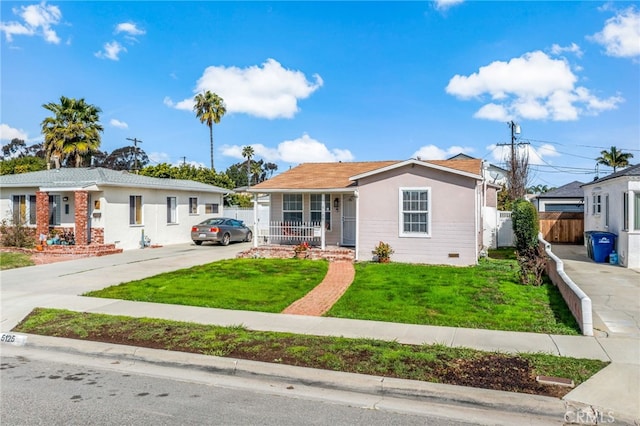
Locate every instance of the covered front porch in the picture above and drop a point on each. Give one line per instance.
(319, 219)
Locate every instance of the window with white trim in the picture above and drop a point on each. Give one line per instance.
(292, 207)
(24, 209)
(135, 210)
(316, 209)
(415, 217)
(606, 210)
(636, 211)
(193, 205)
(595, 205)
(172, 213)
(211, 208)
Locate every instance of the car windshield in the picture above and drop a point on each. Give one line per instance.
(213, 222)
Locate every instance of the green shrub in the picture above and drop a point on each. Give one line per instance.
(16, 235)
(525, 229)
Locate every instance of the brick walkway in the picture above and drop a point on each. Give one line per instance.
(319, 300)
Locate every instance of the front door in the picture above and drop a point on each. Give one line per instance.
(348, 220)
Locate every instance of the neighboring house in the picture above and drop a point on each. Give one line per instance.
(428, 211)
(613, 205)
(568, 198)
(104, 206)
(492, 173)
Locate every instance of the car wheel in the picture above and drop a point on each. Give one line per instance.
(225, 239)
(249, 236)
(198, 243)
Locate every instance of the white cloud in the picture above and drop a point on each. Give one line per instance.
(267, 91)
(446, 4)
(533, 86)
(301, 150)
(38, 19)
(621, 34)
(119, 124)
(159, 157)
(556, 49)
(111, 51)
(432, 152)
(7, 133)
(129, 28)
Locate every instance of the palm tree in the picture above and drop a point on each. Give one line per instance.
(209, 108)
(73, 133)
(248, 152)
(614, 158)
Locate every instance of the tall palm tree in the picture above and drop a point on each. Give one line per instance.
(72, 134)
(248, 152)
(209, 108)
(614, 158)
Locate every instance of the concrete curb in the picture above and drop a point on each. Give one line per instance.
(531, 405)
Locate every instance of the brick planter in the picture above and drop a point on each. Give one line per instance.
(287, 252)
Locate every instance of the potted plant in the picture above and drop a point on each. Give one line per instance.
(300, 251)
(382, 252)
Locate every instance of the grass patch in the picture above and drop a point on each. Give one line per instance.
(10, 260)
(266, 285)
(487, 295)
(433, 363)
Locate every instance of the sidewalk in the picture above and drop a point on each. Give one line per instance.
(615, 388)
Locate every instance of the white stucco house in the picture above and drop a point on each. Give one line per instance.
(613, 205)
(103, 206)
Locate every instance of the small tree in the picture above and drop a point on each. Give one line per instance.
(525, 228)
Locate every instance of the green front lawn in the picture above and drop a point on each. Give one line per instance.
(10, 260)
(484, 296)
(265, 285)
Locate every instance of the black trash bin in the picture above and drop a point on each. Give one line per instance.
(603, 244)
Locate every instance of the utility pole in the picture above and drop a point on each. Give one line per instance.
(135, 153)
(518, 167)
(184, 160)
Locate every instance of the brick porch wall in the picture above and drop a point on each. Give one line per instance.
(42, 213)
(81, 199)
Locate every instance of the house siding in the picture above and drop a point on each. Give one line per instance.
(452, 209)
(628, 241)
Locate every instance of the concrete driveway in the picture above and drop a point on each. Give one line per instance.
(24, 288)
(614, 291)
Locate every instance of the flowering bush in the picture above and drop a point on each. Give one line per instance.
(383, 252)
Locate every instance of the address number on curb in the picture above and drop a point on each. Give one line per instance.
(14, 339)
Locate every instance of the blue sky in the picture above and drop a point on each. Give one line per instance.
(335, 81)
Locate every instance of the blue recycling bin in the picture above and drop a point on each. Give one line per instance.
(603, 243)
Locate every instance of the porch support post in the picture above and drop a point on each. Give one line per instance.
(81, 201)
(255, 220)
(323, 219)
(355, 194)
(42, 213)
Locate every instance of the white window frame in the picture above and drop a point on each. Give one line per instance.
(287, 204)
(596, 205)
(17, 203)
(172, 210)
(318, 211)
(636, 211)
(136, 209)
(402, 211)
(211, 208)
(193, 208)
(606, 210)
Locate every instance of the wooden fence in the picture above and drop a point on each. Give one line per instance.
(562, 227)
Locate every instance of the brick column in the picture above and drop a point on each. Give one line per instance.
(42, 213)
(81, 198)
